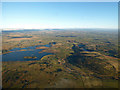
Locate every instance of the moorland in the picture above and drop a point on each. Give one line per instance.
(60, 59)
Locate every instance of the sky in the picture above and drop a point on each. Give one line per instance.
(49, 15)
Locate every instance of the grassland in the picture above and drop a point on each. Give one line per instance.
(70, 66)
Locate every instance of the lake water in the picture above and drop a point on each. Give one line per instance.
(83, 47)
(17, 55)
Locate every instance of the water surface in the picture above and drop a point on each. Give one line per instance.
(17, 55)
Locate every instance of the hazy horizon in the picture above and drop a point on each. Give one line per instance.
(82, 29)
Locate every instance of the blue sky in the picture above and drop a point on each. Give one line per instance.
(40, 15)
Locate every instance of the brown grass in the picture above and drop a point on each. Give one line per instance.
(42, 47)
(18, 39)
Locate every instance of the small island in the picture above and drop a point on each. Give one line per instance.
(42, 47)
(28, 57)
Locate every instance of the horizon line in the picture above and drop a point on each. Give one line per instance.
(52, 28)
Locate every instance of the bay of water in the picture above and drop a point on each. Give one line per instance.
(17, 55)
